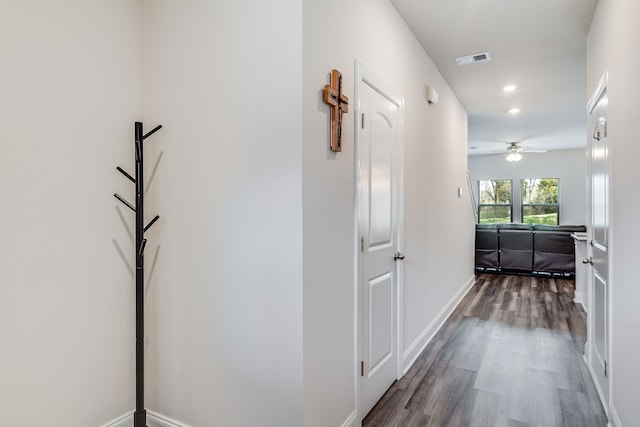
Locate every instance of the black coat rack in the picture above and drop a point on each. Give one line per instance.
(140, 415)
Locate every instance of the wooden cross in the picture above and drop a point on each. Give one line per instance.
(339, 104)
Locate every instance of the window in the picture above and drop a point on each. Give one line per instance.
(495, 201)
(540, 201)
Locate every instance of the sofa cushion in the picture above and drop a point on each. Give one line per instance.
(565, 228)
(515, 226)
(487, 239)
(487, 247)
(550, 262)
(553, 251)
(516, 249)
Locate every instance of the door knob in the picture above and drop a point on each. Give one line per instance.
(398, 256)
(587, 260)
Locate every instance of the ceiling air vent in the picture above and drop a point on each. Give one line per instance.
(476, 57)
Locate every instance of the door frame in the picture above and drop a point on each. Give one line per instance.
(603, 85)
(364, 75)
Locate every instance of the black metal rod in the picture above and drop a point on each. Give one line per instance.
(154, 130)
(140, 417)
(153, 221)
(123, 172)
(142, 246)
(129, 205)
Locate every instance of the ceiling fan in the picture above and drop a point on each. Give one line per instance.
(514, 150)
(495, 148)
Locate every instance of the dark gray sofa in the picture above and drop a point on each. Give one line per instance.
(525, 248)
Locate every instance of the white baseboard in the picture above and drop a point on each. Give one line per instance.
(579, 298)
(153, 420)
(614, 419)
(412, 353)
(157, 420)
(351, 421)
(125, 420)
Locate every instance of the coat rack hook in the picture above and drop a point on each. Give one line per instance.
(129, 205)
(153, 221)
(142, 246)
(123, 172)
(138, 151)
(151, 132)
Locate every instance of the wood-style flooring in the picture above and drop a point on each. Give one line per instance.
(509, 356)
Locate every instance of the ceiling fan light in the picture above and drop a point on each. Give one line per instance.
(514, 157)
(510, 88)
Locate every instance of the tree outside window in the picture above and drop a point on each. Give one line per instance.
(495, 201)
(540, 201)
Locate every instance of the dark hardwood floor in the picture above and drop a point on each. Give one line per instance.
(509, 356)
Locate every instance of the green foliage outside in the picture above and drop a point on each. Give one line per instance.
(495, 192)
(548, 219)
(539, 191)
(539, 201)
(495, 214)
(494, 220)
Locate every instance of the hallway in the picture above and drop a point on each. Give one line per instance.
(510, 355)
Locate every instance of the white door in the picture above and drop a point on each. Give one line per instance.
(379, 119)
(599, 155)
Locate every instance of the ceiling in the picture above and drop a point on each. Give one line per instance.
(538, 45)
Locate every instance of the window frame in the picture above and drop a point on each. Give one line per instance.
(494, 205)
(523, 205)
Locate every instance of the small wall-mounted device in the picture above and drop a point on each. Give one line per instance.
(432, 95)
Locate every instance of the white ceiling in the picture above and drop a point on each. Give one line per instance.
(539, 45)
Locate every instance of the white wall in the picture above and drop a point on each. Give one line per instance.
(614, 33)
(69, 85)
(225, 302)
(568, 165)
(226, 262)
(438, 225)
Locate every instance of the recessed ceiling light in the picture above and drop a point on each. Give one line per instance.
(514, 110)
(510, 88)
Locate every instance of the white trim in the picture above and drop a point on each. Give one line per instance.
(157, 420)
(614, 419)
(604, 85)
(579, 298)
(600, 89)
(351, 421)
(611, 247)
(357, 342)
(604, 402)
(400, 215)
(417, 347)
(125, 420)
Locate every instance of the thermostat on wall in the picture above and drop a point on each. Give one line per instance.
(432, 95)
